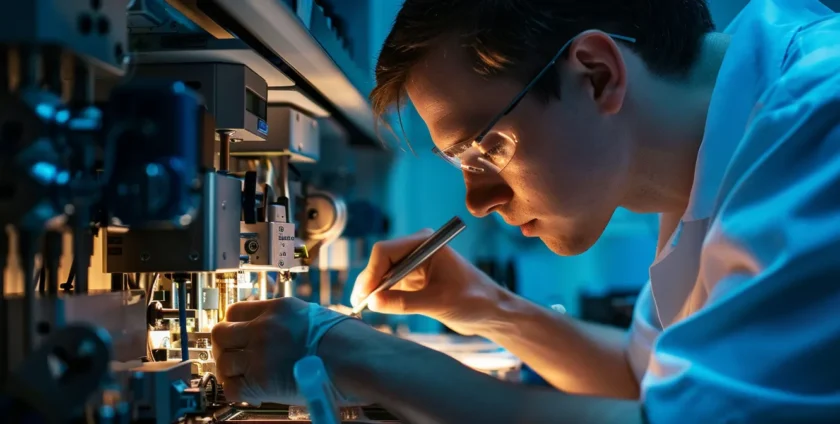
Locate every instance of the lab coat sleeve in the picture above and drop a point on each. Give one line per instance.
(765, 346)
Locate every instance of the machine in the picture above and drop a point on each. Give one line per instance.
(148, 179)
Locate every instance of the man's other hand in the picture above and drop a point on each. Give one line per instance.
(258, 345)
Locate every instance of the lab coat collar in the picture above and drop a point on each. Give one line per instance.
(768, 23)
(761, 36)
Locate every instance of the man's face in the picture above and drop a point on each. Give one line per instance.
(571, 163)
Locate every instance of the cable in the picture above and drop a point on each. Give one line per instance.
(208, 377)
(294, 170)
(68, 285)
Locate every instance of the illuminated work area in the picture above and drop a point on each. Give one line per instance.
(408, 211)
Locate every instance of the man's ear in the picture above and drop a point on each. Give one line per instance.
(597, 56)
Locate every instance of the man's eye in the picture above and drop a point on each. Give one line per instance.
(456, 150)
(495, 150)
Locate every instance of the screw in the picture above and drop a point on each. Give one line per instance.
(193, 256)
(282, 263)
(145, 256)
(224, 205)
(252, 246)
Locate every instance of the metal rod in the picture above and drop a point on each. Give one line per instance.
(284, 283)
(288, 288)
(262, 280)
(41, 280)
(53, 259)
(192, 291)
(81, 252)
(182, 318)
(414, 259)
(283, 178)
(224, 149)
(200, 282)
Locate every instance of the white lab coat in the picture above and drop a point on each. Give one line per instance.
(741, 319)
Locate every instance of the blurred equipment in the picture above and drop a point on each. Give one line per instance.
(148, 180)
(325, 222)
(613, 308)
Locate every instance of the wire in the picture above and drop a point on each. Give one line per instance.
(182, 319)
(150, 353)
(294, 170)
(68, 285)
(150, 290)
(208, 377)
(39, 282)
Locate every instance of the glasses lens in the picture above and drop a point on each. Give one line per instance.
(492, 154)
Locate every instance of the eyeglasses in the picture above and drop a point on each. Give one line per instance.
(494, 148)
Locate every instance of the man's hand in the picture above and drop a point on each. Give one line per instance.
(257, 347)
(445, 287)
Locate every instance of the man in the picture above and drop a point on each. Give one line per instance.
(557, 113)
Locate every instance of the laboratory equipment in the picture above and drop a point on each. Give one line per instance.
(148, 181)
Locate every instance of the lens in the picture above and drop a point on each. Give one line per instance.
(492, 154)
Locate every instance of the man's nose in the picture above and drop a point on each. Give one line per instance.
(485, 193)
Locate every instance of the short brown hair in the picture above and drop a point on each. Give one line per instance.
(517, 37)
